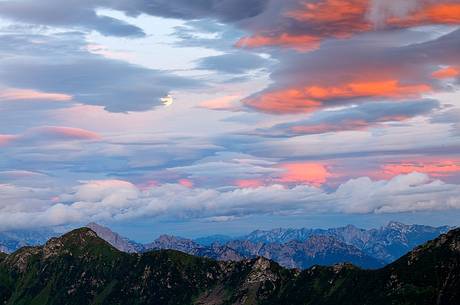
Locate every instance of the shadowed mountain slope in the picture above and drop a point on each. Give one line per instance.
(80, 268)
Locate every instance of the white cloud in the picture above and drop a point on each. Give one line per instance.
(121, 200)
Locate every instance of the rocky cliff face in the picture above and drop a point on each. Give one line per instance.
(80, 268)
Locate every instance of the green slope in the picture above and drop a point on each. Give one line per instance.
(80, 268)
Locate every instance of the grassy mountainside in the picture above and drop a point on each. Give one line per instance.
(80, 268)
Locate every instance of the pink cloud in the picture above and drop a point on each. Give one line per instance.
(249, 183)
(221, 103)
(304, 173)
(434, 168)
(147, 184)
(28, 94)
(186, 182)
(68, 132)
(6, 139)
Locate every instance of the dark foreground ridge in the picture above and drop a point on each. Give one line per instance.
(80, 268)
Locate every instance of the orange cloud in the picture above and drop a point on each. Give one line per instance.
(448, 72)
(27, 94)
(284, 101)
(439, 168)
(297, 42)
(338, 18)
(436, 13)
(311, 23)
(308, 99)
(304, 173)
(249, 183)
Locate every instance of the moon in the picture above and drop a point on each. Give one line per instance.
(168, 100)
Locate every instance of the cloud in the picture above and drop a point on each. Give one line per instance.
(380, 10)
(233, 63)
(85, 15)
(227, 167)
(249, 183)
(448, 72)
(301, 43)
(310, 98)
(71, 14)
(50, 134)
(116, 200)
(357, 71)
(304, 173)
(450, 116)
(360, 117)
(89, 78)
(225, 103)
(303, 25)
(13, 94)
(6, 139)
(224, 10)
(434, 168)
(62, 133)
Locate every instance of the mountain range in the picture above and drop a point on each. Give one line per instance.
(291, 248)
(80, 268)
(297, 248)
(11, 241)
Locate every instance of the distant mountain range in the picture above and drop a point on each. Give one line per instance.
(81, 268)
(387, 243)
(296, 248)
(291, 248)
(13, 240)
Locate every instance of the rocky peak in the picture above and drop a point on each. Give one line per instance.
(174, 243)
(262, 271)
(20, 259)
(119, 242)
(398, 226)
(451, 240)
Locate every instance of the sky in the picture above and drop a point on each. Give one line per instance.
(293, 113)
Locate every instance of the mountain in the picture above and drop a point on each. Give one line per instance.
(80, 268)
(296, 248)
(317, 250)
(119, 242)
(11, 241)
(387, 243)
(215, 251)
(292, 248)
(213, 239)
